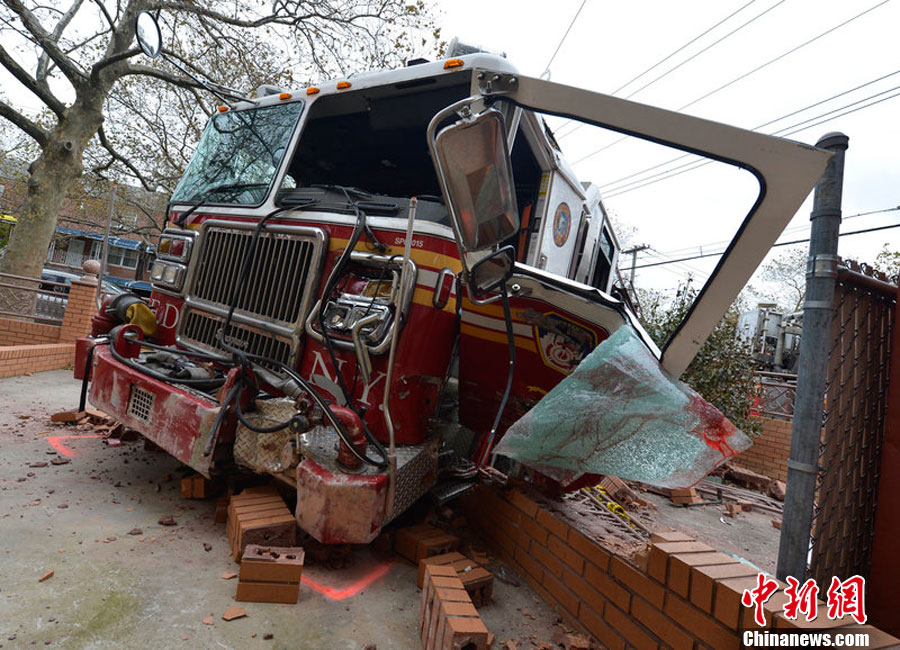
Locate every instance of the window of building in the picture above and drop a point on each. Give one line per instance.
(124, 257)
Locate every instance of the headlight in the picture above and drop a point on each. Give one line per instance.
(169, 275)
(175, 247)
(156, 270)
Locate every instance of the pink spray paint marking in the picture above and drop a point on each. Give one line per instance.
(335, 593)
(61, 448)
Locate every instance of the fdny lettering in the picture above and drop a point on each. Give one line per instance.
(321, 377)
(170, 312)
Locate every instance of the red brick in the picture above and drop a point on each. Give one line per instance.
(552, 524)
(680, 568)
(601, 630)
(562, 595)
(535, 531)
(529, 564)
(703, 580)
(523, 503)
(633, 633)
(655, 621)
(637, 582)
(682, 547)
(702, 626)
(564, 552)
(727, 599)
(589, 549)
(550, 563)
(588, 595)
(607, 587)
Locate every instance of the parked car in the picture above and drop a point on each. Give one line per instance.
(52, 298)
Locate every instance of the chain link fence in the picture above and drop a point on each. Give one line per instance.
(853, 426)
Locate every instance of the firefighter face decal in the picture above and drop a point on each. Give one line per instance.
(562, 224)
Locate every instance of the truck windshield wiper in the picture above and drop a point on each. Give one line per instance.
(231, 188)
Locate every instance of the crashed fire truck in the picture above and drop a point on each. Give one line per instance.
(346, 263)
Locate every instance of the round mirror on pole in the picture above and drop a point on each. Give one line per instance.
(149, 37)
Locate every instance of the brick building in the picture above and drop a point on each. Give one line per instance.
(81, 225)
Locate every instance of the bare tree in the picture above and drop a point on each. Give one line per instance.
(117, 114)
(788, 273)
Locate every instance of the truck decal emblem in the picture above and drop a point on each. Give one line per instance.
(562, 224)
(562, 343)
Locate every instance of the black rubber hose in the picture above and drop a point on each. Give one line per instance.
(159, 376)
(339, 428)
(82, 402)
(511, 341)
(217, 423)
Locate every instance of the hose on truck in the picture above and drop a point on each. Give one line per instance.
(242, 359)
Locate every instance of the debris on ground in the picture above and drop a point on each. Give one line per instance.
(234, 612)
(59, 460)
(477, 580)
(270, 574)
(776, 523)
(135, 531)
(228, 575)
(415, 543)
(447, 617)
(685, 496)
(209, 620)
(259, 516)
(47, 575)
(167, 520)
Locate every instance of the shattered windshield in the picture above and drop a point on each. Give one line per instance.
(238, 156)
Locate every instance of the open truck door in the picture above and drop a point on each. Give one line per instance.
(523, 330)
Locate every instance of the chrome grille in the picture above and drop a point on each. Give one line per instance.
(203, 330)
(271, 305)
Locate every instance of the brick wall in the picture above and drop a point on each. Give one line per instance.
(21, 359)
(19, 332)
(678, 593)
(770, 451)
(79, 309)
(27, 347)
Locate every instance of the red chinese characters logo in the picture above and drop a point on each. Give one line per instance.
(844, 598)
(847, 597)
(765, 588)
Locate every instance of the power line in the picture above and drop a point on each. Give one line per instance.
(785, 131)
(747, 74)
(775, 245)
(563, 39)
(757, 127)
(680, 49)
(787, 230)
(783, 55)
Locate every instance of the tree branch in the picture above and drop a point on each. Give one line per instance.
(115, 58)
(112, 23)
(38, 134)
(101, 134)
(62, 23)
(39, 89)
(146, 70)
(68, 67)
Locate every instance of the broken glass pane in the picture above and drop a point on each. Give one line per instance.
(620, 413)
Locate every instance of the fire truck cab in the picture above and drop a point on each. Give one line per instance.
(365, 282)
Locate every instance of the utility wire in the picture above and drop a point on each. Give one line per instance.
(747, 74)
(563, 40)
(680, 49)
(775, 245)
(757, 127)
(679, 251)
(785, 131)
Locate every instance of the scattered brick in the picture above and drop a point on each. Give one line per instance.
(234, 612)
(415, 543)
(46, 576)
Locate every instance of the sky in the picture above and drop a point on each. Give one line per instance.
(611, 43)
(806, 51)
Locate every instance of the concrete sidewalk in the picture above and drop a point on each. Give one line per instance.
(152, 589)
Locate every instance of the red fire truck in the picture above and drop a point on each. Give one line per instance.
(363, 284)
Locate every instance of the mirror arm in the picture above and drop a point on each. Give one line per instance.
(222, 92)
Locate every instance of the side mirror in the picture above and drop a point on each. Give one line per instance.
(149, 37)
(473, 158)
(490, 273)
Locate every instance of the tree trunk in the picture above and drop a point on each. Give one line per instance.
(50, 177)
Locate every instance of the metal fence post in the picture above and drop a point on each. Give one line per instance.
(821, 271)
